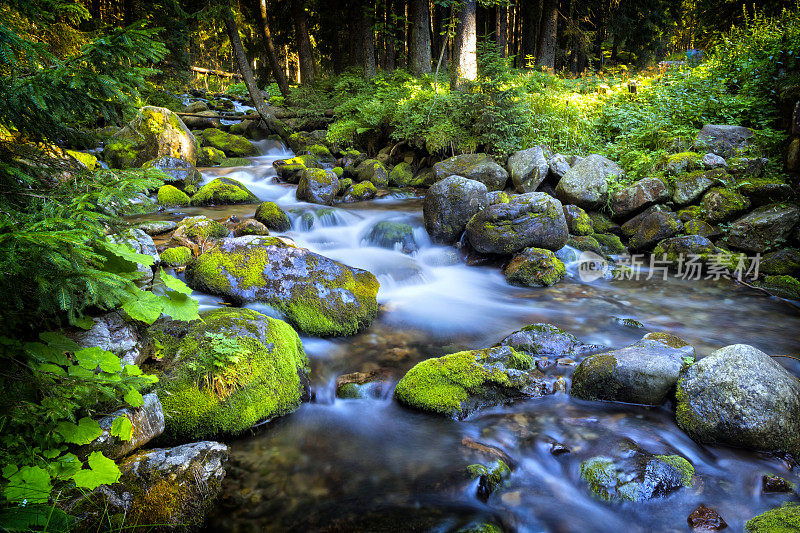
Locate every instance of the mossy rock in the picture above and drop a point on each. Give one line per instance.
(401, 175)
(784, 519)
(289, 170)
(339, 171)
(360, 192)
(547, 339)
(210, 156)
(602, 223)
(87, 161)
(700, 228)
(229, 162)
(578, 221)
(673, 164)
(272, 216)
(250, 226)
(782, 286)
(317, 295)
(393, 235)
(227, 372)
(318, 186)
(585, 243)
(689, 186)
(176, 256)
(179, 173)
(232, 145)
(631, 474)
(374, 171)
(489, 478)
(322, 153)
(201, 228)
(782, 262)
(172, 196)
(300, 140)
(223, 191)
(478, 167)
(535, 267)
(345, 184)
(156, 132)
(720, 205)
(610, 244)
(459, 384)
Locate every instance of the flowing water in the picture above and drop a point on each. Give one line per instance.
(369, 464)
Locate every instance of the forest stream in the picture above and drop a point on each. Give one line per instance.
(353, 464)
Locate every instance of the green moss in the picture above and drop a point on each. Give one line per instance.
(121, 153)
(784, 519)
(681, 162)
(720, 204)
(272, 216)
(490, 477)
(321, 153)
(401, 175)
(344, 185)
(602, 223)
(223, 191)
(210, 156)
(680, 464)
(602, 367)
(609, 244)
(87, 160)
(235, 162)
(176, 256)
(535, 267)
(585, 243)
(448, 385)
(169, 195)
(205, 392)
(232, 145)
(363, 190)
(338, 171)
(374, 171)
(782, 286)
(202, 228)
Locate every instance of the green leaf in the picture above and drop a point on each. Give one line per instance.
(91, 358)
(35, 517)
(134, 398)
(122, 428)
(147, 307)
(181, 307)
(173, 283)
(30, 484)
(9, 470)
(66, 466)
(101, 471)
(125, 251)
(84, 432)
(83, 323)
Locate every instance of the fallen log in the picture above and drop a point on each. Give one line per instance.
(278, 113)
(494, 451)
(218, 73)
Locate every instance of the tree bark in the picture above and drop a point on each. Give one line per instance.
(501, 29)
(465, 48)
(548, 33)
(272, 124)
(530, 29)
(602, 24)
(367, 38)
(269, 47)
(304, 52)
(420, 37)
(390, 36)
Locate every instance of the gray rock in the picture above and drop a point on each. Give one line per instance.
(721, 204)
(586, 183)
(528, 168)
(691, 185)
(207, 120)
(181, 173)
(316, 294)
(714, 161)
(317, 186)
(651, 226)
(147, 423)
(113, 333)
(528, 220)
(393, 235)
(763, 229)
(546, 339)
(534, 267)
(155, 132)
(157, 227)
(740, 396)
(478, 167)
(641, 194)
(559, 165)
(578, 221)
(450, 204)
(142, 243)
(784, 262)
(373, 171)
(723, 140)
(642, 373)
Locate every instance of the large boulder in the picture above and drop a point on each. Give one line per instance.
(691, 185)
(459, 384)
(232, 145)
(529, 220)
(393, 235)
(317, 186)
(223, 191)
(641, 194)
(478, 167)
(182, 174)
(115, 333)
(528, 168)
(373, 171)
(450, 204)
(316, 294)
(740, 396)
(289, 170)
(763, 229)
(689, 249)
(721, 204)
(146, 423)
(643, 373)
(578, 221)
(783, 519)
(649, 227)
(273, 217)
(164, 489)
(141, 243)
(586, 183)
(534, 267)
(360, 192)
(546, 339)
(402, 175)
(227, 372)
(724, 140)
(629, 473)
(169, 196)
(154, 133)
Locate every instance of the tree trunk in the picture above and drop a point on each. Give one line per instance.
(440, 40)
(548, 32)
(391, 36)
(530, 29)
(605, 7)
(420, 44)
(272, 124)
(465, 52)
(269, 46)
(501, 29)
(367, 39)
(304, 52)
